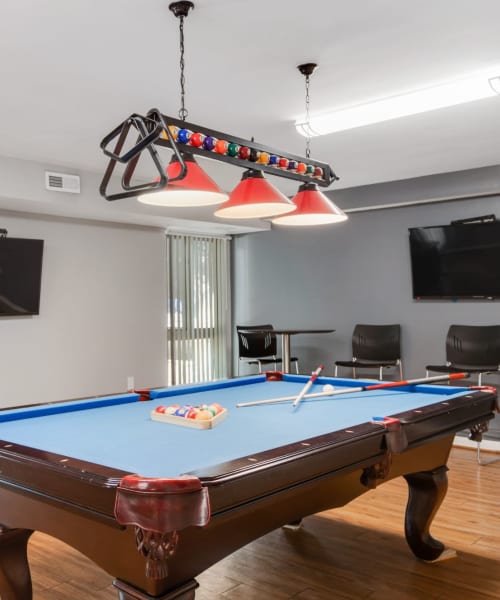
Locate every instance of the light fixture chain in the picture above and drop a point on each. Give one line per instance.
(308, 138)
(183, 113)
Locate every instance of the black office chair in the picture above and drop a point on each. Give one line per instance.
(259, 348)
(374, 347)
(473, 349)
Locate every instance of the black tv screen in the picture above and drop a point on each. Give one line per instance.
(20, 276)
(456, 261)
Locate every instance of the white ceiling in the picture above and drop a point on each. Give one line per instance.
(70, 71)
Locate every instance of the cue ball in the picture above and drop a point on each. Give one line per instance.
(328, 387)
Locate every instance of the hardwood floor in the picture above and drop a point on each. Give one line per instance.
(357, 552)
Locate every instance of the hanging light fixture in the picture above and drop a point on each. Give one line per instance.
(254, 198)
(188, 186)
(312, 206)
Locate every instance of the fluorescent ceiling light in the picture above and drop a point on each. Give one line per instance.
(440, 96)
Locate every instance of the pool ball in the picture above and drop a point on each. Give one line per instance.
(244, 152)
(182, 411)
(209, 143)
(197, 139)
(204, 415)
(193, 411)
(183, 136)
(233, 149)
(221, 146)
(328, 387)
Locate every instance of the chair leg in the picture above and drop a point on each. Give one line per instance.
(479, 379)
(336, 370)
(297, 367)
(400, 370)
(487, 462)
(380, 373)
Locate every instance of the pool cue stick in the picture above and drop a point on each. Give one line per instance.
(308, 385)
(377, 386)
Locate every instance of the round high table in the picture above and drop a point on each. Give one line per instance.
(285, 341)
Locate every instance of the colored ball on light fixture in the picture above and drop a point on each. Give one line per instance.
(301, 167)
(221, 146)
(232, 149)
(183, 136)
(254, 155)
(244, 152)
(197, 139)
(209, 143)
(283, 163)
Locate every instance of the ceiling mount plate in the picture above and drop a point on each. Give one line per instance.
(181, 9)
(307, 68)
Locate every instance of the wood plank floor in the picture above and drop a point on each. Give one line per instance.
(356, 552)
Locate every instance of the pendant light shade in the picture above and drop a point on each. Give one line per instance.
(196, 188)
(312, 208)
(254, 198)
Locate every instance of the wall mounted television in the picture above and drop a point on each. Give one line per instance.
(20, 276)
(460, 260)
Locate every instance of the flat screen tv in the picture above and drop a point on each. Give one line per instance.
(20, 276)
(456, 261)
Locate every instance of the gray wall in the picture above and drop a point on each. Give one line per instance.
(102, 314)
(359, 271)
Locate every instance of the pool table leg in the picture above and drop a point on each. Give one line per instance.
(127, 592)
(15, 578)
(427, 490)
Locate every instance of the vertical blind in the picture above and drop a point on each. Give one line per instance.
(198, 310)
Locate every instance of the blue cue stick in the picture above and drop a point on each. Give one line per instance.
(308, 385)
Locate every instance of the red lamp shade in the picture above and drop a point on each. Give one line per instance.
(196, 188)
(312, 208)
(254, 198)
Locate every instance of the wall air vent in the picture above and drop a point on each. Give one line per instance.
(61, 182)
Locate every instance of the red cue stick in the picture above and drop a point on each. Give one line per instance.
(365, 388)
(307, 386)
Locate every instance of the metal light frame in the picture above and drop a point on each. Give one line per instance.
(153, 130)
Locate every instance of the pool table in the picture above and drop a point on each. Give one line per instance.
(155, 504)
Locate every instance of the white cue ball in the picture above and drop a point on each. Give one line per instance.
(328, 387)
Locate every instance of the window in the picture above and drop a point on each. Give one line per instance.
(198, 309)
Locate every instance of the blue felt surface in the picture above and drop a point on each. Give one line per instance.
(124, 436)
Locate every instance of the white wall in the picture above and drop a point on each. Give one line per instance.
(102, 312)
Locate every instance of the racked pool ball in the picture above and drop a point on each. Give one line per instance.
(328, 387)
(204, 415)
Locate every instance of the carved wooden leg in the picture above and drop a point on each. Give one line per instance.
(15, 578)
(127, 592)
(426, 492)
